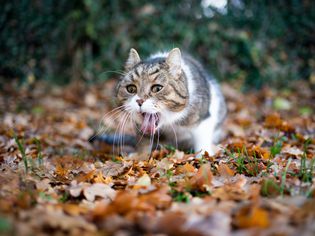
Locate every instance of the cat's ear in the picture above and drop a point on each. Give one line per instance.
(173, 60)
(133, 59)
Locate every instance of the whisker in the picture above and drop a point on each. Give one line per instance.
(175, 136)
(146, 121)
(104, 128)
(109, 114)
(113, 71)
(122, 132)
(158, 138)
(151, 132)
(117, 129)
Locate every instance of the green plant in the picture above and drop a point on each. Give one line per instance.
(284, 177)
(39, 152)
(65, 196)
(270, 188)
(22, 151)
(45, 196)
(306, 172)
(240, 163)
(276, 148)
(179, 196)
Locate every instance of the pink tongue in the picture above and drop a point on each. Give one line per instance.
(148, 124)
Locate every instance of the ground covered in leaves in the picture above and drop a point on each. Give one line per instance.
(53, 181)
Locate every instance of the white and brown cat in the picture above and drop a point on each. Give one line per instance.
(170, 95)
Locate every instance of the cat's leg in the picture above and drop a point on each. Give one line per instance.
(203, 136)
(208, 132)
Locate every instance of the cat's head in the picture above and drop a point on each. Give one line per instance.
(154, 91)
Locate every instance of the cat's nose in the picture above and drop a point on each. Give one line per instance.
(140, 101)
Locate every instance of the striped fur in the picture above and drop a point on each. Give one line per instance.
(190, 104)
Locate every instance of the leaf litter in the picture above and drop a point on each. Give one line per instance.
(53, 181)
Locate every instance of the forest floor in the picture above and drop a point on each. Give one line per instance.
(53, 181)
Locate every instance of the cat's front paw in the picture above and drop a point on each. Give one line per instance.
(210, 149)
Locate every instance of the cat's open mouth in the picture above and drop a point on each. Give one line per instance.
(150, 122)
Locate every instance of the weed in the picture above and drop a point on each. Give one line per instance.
(170, 148)
(45, 196)
(284, 177)
(64, 197)
(276, 148)
(306, 173)
(240, 163)
(39, 152)
(21, 148)
(270, 188)
(169, 174)
(179, 196)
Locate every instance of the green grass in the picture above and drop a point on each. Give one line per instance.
(241, 159)
(21, 148)
(284, 177)
(29, 163)
(39, 152)
(64, 197)
(269, 188)
(277, 146)
(179, 196)
(306, 172)
(45, 196)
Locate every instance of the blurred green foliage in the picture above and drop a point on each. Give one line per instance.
(256, 42)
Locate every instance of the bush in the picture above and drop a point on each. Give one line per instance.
(254, 41)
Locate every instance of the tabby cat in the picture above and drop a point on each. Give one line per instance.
(171, 95)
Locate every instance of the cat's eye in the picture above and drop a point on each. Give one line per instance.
(131, 88)
(156, 88)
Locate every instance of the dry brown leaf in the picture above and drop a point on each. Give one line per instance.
(185, 169)
(99, 178)
(225, 170)
(202, 180)
(99, 190)
(74, 209)
(143, 181)
(275, 121)
(164, 164)
(112, 169)
(227, 192)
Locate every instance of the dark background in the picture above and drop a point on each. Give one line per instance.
(255, 42)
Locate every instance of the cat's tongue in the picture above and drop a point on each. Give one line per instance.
(149, 123)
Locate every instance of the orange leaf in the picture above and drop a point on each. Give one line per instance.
(252, 217)
(85, 177)
(187, 168)
(203, 178)
(74, 209)
(61, 171)
(225, 170)
(275, 121)
(99, 178)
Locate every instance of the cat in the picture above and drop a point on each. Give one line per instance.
(171, 95)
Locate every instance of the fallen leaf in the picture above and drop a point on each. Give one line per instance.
(143, 181)
(248, 217)
(165, 164)
(202, 180)
(186, 169)
(111, 168)
(225, 170)
(74, 209)
(99, 190)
